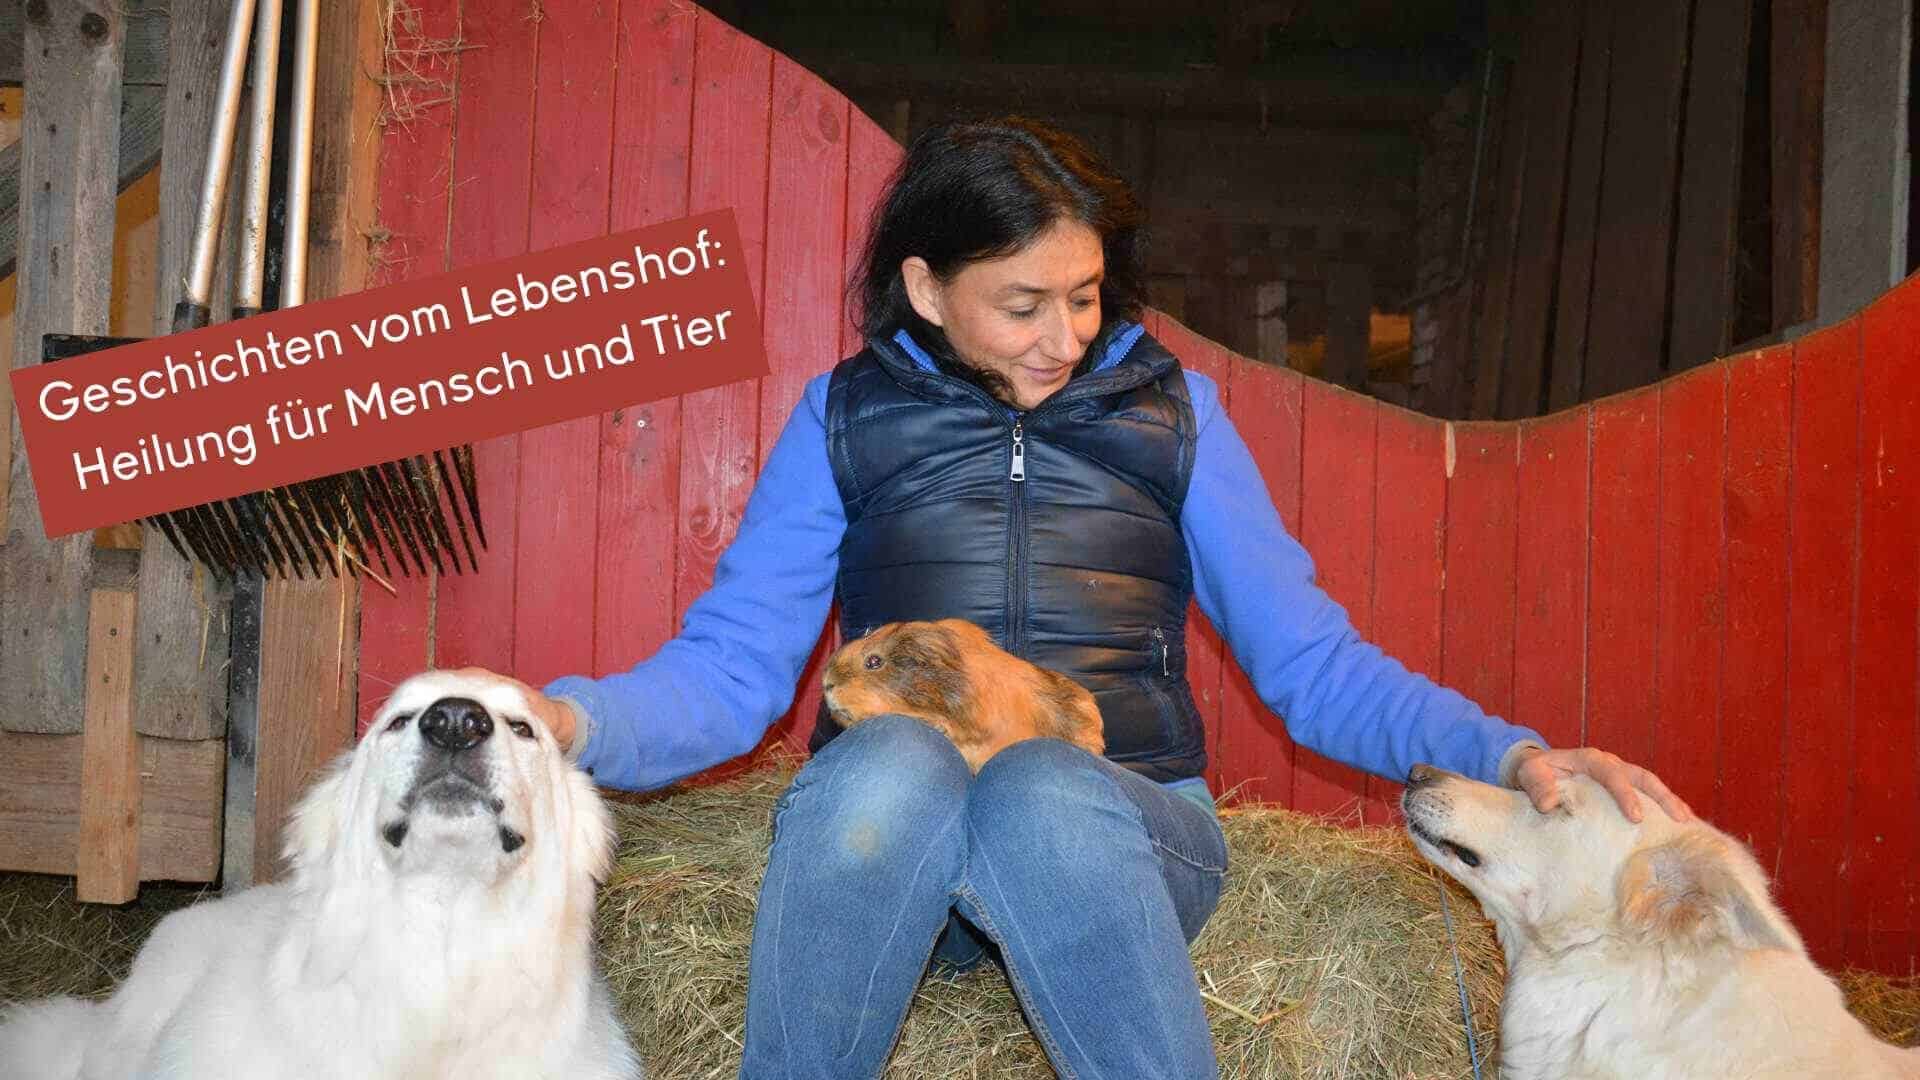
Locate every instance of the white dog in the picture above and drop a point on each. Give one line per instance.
(437, 924)
(1638, 952)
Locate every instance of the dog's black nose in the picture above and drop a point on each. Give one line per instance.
(1422, 774)
(455, 723)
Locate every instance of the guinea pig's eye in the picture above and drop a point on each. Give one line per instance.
(874, 660)
(400, 721)
(521, 728)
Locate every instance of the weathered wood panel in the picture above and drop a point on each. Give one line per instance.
(180, 796)
(69, 168)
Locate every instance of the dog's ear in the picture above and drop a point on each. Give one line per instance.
(1687, 889)
(314, 827)
(591, 822)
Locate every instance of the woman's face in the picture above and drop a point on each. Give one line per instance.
(1028, 316)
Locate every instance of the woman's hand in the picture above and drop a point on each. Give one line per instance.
(556, 714)
(1539, 773)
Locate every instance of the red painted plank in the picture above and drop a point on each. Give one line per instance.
(413, 209)
(1477, 621)
(720, 428)
(1884, 853)
(719, 447)
(1337, 479)
(806, 218)
(1257, 758)
(639, 451)
(1823, 549)
(1747, 800)
(1623, 560)
(871, 157)
(1692, 592)
(560, 463)
(1550, 578)
(1409, 536)
(491, 184)
(1205, 651)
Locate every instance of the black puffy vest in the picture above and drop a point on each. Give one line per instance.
(1080, 566)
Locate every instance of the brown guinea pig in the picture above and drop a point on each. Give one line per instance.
(951, 675)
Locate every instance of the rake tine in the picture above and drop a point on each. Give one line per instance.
(293, 526)
(394, 492)
(310, 513)
(206, 539)
(450, 486)
(239, 555)
(470, 485)
(159, 521)
(353, 491)
(432, 522)
(392, 526)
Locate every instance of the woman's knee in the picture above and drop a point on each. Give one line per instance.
(887, 787)
(1047, 781)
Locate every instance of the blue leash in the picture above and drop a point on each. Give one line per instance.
(1460, 980)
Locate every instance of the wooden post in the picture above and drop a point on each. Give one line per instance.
(69, 164)
(1799, 61)
(1349, 324)
(309, 629)
(109, 856)
(1270, 321)
(1705, 229)
(1863, 186)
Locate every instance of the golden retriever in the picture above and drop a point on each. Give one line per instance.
(436, 925)
(1638, 952)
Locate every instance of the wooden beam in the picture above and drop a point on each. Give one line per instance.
(179, 806)
(1631, 274)
(309, 629)
(70, 151)
(1703, 257)
(1551, 64)
(1341, 88)
(1798, 65)
(1864, 183)
(179, 671)
(145, 49)
(1489, 352)
(109, 855)
(1567, 370)
(140, 116)
(1349, 311)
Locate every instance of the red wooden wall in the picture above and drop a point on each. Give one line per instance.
(1715, 576)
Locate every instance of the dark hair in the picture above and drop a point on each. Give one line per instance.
(966, 192)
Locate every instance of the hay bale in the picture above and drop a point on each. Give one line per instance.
(1327, 957)
(1891, 1007)
(50, 943)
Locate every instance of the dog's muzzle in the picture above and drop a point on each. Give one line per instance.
(456, 724)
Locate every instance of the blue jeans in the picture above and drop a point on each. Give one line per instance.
(1090, 882)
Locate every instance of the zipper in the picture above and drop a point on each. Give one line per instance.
(1017, 545)
(1160, 636)
(1017, 508)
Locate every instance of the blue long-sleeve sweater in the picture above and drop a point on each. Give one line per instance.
(710, 693)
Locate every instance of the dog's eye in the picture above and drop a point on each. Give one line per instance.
(874, 660)
(521, 728)
(400, 721)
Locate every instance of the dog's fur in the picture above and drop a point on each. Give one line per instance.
(436, 924)
(951, 675)
(1638, 952)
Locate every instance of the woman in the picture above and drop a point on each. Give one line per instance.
(1011, 448)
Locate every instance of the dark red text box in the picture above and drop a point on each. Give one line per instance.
(354, 381)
